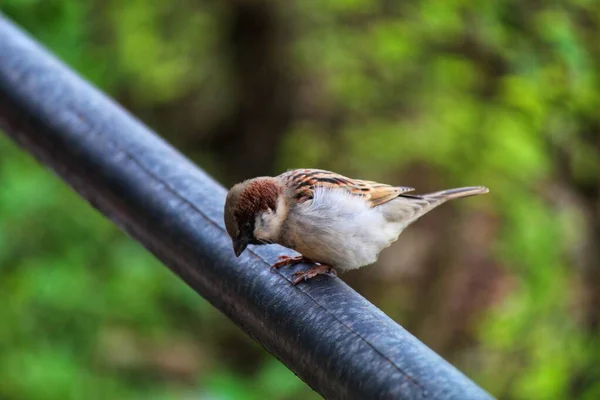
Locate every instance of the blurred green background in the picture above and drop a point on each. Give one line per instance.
(425, 93)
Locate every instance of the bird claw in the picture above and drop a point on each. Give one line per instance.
(303, 276)
(284, 261)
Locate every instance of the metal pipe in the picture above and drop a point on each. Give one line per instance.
(330, 336)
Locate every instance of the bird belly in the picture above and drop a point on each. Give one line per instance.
(343, 253)
(340, 231)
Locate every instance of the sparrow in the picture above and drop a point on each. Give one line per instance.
(334, 222)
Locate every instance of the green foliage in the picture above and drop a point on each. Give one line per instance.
(476, 126)
(479, 92)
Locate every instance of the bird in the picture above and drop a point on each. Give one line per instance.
(334, 222)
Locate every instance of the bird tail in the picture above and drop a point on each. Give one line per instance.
(409, 208)
(450, 194)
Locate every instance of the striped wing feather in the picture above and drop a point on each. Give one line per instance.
(307, 180)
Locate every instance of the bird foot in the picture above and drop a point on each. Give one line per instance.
(311, 273)
(284, 261)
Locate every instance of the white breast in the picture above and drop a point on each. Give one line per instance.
(339, 229)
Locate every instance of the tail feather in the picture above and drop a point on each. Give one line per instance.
(457, 193)
(408, 208)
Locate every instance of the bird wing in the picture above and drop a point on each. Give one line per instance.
(305, 181)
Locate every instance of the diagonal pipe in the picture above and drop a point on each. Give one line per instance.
(326, 333)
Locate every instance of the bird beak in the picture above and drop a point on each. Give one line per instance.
(239, 245)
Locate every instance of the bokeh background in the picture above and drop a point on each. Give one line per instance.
(425, 93)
